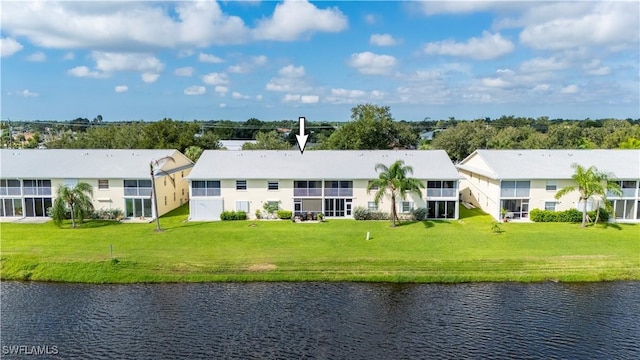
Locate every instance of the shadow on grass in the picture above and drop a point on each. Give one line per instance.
(611, 225)
(469, 213)
(92, 224)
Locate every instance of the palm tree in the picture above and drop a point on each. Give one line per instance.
(590, 182)
(77, 199)
(394, 181)
(154, 169)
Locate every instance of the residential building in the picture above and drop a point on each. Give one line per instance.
(329, 182)
(121, 179)
(520, 180)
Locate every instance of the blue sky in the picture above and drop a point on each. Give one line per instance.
(270, 60)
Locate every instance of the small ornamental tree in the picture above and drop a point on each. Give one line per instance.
(77, 199)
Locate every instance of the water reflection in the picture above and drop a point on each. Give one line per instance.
(325, 320)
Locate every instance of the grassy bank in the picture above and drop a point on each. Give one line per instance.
(337, 250)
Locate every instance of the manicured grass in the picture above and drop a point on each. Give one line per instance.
(337, 250)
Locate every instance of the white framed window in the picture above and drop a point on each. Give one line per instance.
(103, 184)
(273, 185)
(551, 185)
(241, 184)
(371, 205)
(406, 206)
(550, 205)
(242, 205)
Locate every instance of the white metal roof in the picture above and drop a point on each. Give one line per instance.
(552, 164)
(318, 164)
(83, 164)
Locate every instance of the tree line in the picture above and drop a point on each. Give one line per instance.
(370, 127)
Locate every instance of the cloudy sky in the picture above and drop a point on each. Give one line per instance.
(272, 60)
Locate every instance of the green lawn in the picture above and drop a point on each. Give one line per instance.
(337, 250)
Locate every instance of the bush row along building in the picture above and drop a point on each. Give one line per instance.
(329, 182)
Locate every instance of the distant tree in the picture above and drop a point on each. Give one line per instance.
(590, 182)
(393, 181)
(630, 143)
(267, 141)
(464, 138)
(77, 199)
(371, 127)
(208, 141)
(193, 153)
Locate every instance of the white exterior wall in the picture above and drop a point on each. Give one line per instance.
(481, 192)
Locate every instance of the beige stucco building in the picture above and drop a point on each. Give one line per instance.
(121, 179)
(521, 180)
(329, 182)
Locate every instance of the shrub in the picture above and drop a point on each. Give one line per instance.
(419, 213)
(258, 214)
(284, 214)
(361, 213)
(571, 215)
(233, 215)
(320, 216)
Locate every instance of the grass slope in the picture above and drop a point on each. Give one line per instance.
(337, 250)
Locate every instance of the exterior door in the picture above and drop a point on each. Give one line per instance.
(348, 206)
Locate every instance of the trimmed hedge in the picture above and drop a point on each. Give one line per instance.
(233, 215)
(361, 213)
(571, 215)
(284, 214)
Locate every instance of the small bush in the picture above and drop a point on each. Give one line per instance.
(284, 214)
(361, 213)
(233, 215)
(571, 215)
(419, 214)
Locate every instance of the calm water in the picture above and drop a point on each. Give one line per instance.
(323, 320)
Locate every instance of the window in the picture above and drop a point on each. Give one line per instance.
(441, 188)
(551, 186)
(371, 205)
(10, 187)
(137, 187)
(517, 189)
(550, 205)
(307, 188)
(406, 206)
(205, 188)
(38, 187)
(338, 188)
(103, 184)
(272, 185)
(165, 201)
(242, 205)
(241, 184)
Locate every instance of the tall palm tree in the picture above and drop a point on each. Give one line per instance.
(393, 181)
(590, 182)
(154, 169)
(77, 199)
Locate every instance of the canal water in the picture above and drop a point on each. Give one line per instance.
(321, 321)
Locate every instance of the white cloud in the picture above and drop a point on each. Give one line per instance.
(292, 71)
(222, 90)
(259, 97)
(303, 99)
(38, 56)
(292, 78)
(489, 46)
(382, 40)
(372, 64)
(222, 105)
(601, 71)
(8, 46)
(495, 82)
(541, 88)
(370, 19)
(195, 90)
(237, 95)
(556, 26)
(83, 71)
(347, 96)
(570, 89)
(149, 77)
(69, 56)
(239, 68)
(110, 62)
(544, 64)
(293, 19)
(121, 88)
(260, 60)
(122, 26)
(184, 71)
(28, 93)
(216, 79)
(209, 58)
